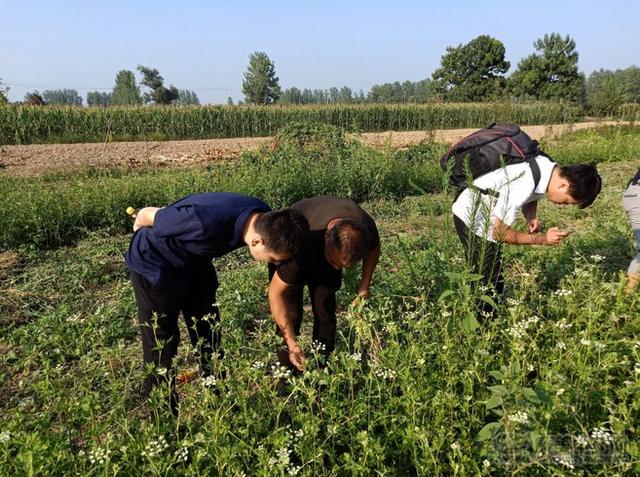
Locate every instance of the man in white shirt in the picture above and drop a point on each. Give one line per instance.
(484, 213)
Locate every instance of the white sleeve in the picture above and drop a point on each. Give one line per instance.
(513, 195)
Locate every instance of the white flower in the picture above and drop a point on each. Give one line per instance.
(293, 469)
(4, 436)
(565, 460)
(519, 330)
(519, 417)
(280, 372)
(585, 342)
(561, 345)
(356, 356)
(582, 441)
(155, 447)
(209, 381)
(455, 446)
(98, 456)
(319, 346)
(258, 365)
(281, 459)
(182, 454)
(597, 258)
(563, 292)
(486, 464)
(600, 434)
(385, 373)
(293, 435)
(563, 324)
(560, 392)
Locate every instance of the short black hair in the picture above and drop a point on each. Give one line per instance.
(283, 231)
(351, 238)
(584, 183)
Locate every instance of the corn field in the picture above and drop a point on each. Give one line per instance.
(43, 124)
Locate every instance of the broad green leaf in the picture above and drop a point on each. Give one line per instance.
(470, 323)
(493, 401)
(531, 396)
(489, 301)
(534, 439)
(499, 389)
(453, 276)
(445, 294)
(497, 374)
(488, 431)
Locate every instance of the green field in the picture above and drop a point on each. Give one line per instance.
(46, 124)
(550, 387)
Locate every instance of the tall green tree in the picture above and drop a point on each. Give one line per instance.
(405, 92)
(551, 73)
(607, 90)
(260, 84)
(97, 98)
(474, 71)
(4, 93)
(159, 94)
(68, 97)
(125, 91)
(34, 99)
(187, 98)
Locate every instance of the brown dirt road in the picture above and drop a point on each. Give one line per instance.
(38, 159)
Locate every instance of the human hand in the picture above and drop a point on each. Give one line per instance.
(534, 226)
(363, 295)
(554, 236)
(296, 355)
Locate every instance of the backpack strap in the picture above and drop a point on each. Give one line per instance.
(535, 170)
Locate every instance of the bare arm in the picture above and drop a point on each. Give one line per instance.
(529, 210)
(368, 266)
(145, 217)
(503, 233)
(278, 290)
(530, 214)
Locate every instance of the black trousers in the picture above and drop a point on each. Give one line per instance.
(323, 308)
(485, 258)
(158, 311)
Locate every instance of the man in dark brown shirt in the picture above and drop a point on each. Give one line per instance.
(340, 235)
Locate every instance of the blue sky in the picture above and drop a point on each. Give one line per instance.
(204, 46)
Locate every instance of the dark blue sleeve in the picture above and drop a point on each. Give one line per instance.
(178, 221)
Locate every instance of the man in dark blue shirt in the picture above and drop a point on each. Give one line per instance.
(170, 263)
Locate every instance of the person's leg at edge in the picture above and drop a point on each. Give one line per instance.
(202, 317)
(158, 310)
(485, 257)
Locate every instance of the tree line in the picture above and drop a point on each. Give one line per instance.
(471, 72)
(125, 92)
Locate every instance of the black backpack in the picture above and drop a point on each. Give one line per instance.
(487, 150)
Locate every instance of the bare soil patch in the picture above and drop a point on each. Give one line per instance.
(38, 159)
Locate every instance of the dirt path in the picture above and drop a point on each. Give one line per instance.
(33, 160)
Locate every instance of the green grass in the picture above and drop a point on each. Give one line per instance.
(409, 390)
(59, 209)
